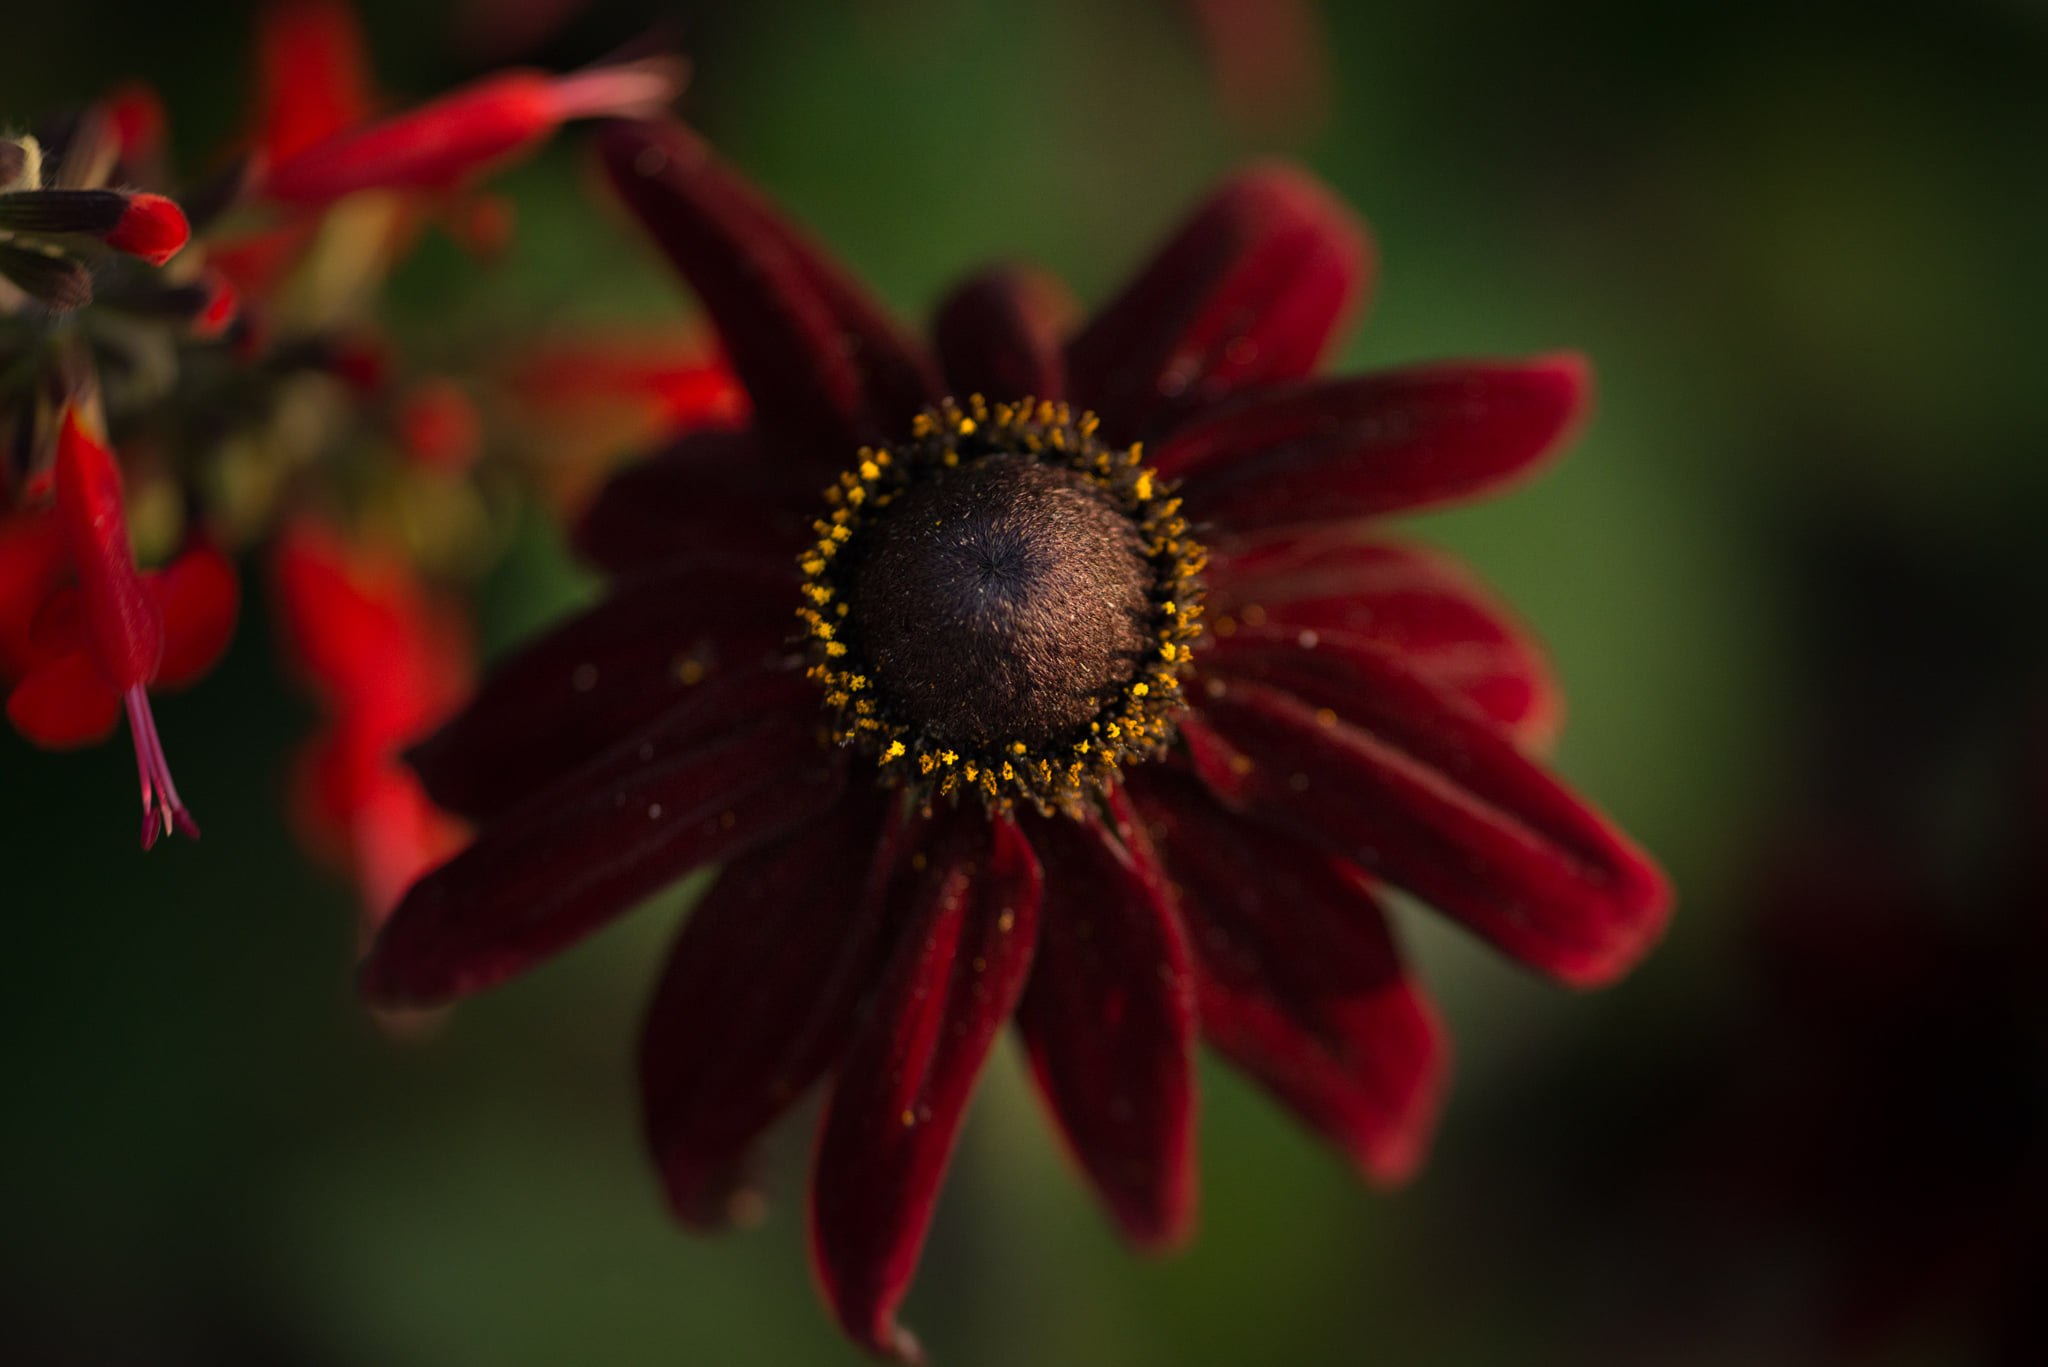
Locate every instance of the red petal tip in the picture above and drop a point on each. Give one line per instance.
(153, 228)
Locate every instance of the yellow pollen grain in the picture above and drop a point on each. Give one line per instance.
(895, 751)
(966, 427)
(1325, 717)
(1139, 690)
(1017, 747)
(909, 1119)
(835, 649)
(948, 758)
(1143, 488)
(1240, 765)
(870, 470)
(1006, 922)
(691, 672)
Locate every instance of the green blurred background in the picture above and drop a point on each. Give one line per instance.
(1807, 248)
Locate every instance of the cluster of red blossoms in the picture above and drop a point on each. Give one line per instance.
(182, 384)
(1088, 694)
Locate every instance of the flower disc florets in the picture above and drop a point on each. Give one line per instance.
(1002, 605)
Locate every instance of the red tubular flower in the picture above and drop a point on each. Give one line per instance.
(1109, 810)
(389, 663)
(450, 141)
(94, 649)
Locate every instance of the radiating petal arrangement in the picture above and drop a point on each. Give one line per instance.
(1186, 843)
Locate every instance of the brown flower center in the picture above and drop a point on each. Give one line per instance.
(1002, 605)
(1002, 601)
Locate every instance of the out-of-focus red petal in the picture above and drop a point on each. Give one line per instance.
(760, 997)
(124, 626)
(1374, 444)
(136, 112)
(711, 493)
(200, 597)
(312, 75)
(1421, 605)
(699, 632)
(824, 365)
(64, 704)
(958, 968)
(465, 133)
(382, 650)
(1248, 292)
(1345, 746)
(1297, 978)
(1109, 1022)
(627, 824)
(31, 566)
(153, 228)
(999, 333)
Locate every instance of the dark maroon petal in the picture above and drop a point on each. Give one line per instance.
(627, 824)
(1421, 605)
(1109, 1022)
(1297, 978)
(1248, 292)
(659, 641)
(825, 367)
(760, 997)
(1374, 444)
(998, 334)
(1344, 745)
(959, 965)
(712, 493)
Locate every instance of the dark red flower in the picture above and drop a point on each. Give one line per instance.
(1106, 810)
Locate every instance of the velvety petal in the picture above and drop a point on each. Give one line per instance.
(31, 566)
(1346, 746)
(1109, 1022)
(760, 997)
(200, 599)
(1249, 292)
(1297, 978)
(64, 703)
(1421, 605)
(659, 640)
(1374, 444)
(826, 368)
(957, 970)
(634, 819)
(998, 334)
(712, 493)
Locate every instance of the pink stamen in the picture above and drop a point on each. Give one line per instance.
(161, 806)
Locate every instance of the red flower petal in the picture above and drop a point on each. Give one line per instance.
(200, 598)
(712, 493)
(1375, 444)
(152, 228)
(825, 367)
(760, 997)
(957, 971)
(124, 626)
(1297, 978)
(1109, 1020)
(624, 826)
(998, 334)
(1423, 606)
(312, 75)
(696, 634)
(465, 133)
(1346, 746)
(1248, 292)
(64, 704)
